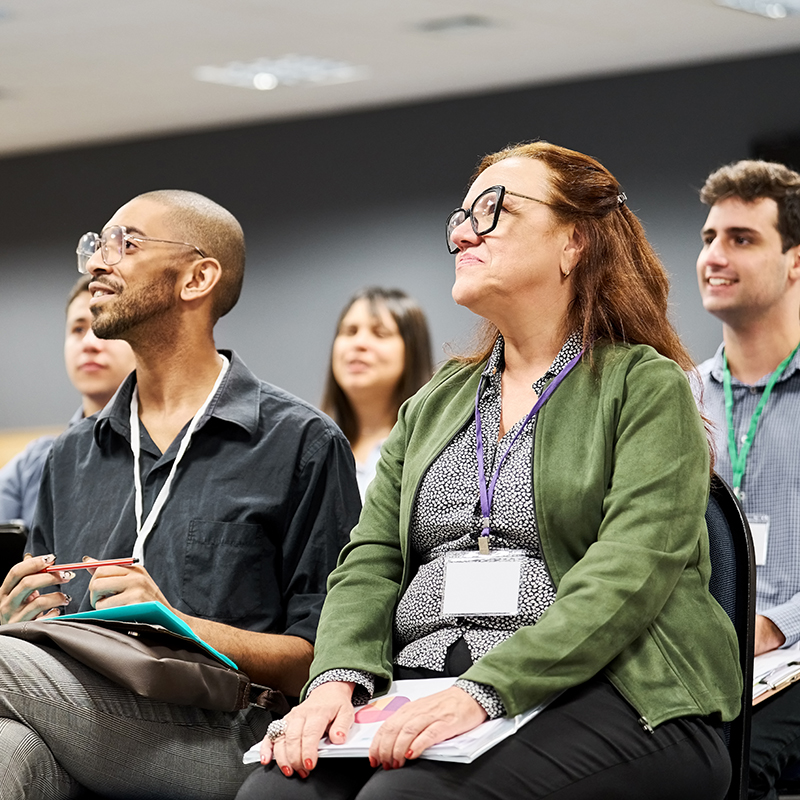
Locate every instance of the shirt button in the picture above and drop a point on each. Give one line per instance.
(743, 438)
(753, 390)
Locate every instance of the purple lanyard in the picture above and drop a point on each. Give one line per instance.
(487, 493)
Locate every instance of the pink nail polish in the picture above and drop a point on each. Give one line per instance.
(307, 763)
(287, 771)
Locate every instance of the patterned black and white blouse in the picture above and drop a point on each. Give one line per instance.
(447, 518)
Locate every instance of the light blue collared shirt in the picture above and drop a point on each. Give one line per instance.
(771, 483)
(20, 478)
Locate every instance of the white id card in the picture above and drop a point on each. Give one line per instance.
(482, 585)
(759, 529)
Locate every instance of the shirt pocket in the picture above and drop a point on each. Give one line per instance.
(225, 570)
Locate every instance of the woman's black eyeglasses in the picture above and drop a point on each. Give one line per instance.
(483, 214)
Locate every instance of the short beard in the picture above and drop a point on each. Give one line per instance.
(134, 307)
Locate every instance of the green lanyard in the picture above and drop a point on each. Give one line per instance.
(739, 458)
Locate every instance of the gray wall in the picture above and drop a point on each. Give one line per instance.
(331, 204)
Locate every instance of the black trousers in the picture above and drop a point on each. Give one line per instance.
(774, 741)
(587, 745)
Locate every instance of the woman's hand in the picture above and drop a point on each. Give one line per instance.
(328, 708)
(423, 723)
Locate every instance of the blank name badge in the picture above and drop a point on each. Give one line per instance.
(759, 530)
(482, 585)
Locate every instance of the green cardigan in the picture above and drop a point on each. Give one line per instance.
(620, 485)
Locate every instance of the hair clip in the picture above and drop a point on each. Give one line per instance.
(621, 198)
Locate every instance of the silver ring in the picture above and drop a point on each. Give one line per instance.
(276, 729)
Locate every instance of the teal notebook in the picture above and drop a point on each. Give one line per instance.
(153, 613)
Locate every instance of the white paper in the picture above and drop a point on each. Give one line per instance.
(481, 586)
(463, 748)
(773, 668)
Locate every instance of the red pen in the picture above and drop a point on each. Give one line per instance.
(111, 562)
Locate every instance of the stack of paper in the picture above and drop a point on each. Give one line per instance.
(775, 670)
(463, 748)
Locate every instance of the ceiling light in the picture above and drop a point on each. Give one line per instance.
(265, 81)
(764, 8)
(289, 70)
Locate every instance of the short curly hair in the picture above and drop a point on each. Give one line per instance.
(752, 180)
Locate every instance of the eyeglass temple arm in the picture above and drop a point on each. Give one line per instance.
(164, 241)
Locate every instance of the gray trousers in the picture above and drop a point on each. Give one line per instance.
(64, 727)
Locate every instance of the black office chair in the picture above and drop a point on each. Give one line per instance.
(733, 585)
(13, 535)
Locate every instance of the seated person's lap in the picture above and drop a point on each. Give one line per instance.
(587, 744)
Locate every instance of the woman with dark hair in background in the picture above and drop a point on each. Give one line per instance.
(565, 461)
(381, 355)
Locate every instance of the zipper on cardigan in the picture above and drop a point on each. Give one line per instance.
(647, 727)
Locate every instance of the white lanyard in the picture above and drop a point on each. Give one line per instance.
(143, 530)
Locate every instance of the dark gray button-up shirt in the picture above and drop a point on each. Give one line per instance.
(260, 506)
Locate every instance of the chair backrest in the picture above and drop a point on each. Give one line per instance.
(13, 535)
(733, 585)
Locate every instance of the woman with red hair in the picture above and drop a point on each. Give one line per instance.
(565, 459)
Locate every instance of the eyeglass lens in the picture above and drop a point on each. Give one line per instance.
(110, 243)
(483, 215)
(87, 246)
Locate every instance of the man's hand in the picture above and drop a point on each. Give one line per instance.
(20, 598)
(768, 635)
(275, 660)
(121, 586)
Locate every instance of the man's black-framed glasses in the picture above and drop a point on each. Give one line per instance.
(111, 244)
(483, 213)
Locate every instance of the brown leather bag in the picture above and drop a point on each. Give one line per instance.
(152, 662)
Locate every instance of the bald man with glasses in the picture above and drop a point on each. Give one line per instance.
(236, 533)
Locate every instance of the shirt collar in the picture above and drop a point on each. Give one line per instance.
(716, 364)
(717, 369)
(76, 417)
(237, 401)
(570, 348)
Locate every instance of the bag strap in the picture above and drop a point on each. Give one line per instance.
(268, 699)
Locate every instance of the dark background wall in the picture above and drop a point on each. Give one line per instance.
(331, 204)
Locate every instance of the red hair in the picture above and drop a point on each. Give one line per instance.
(621, 287)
